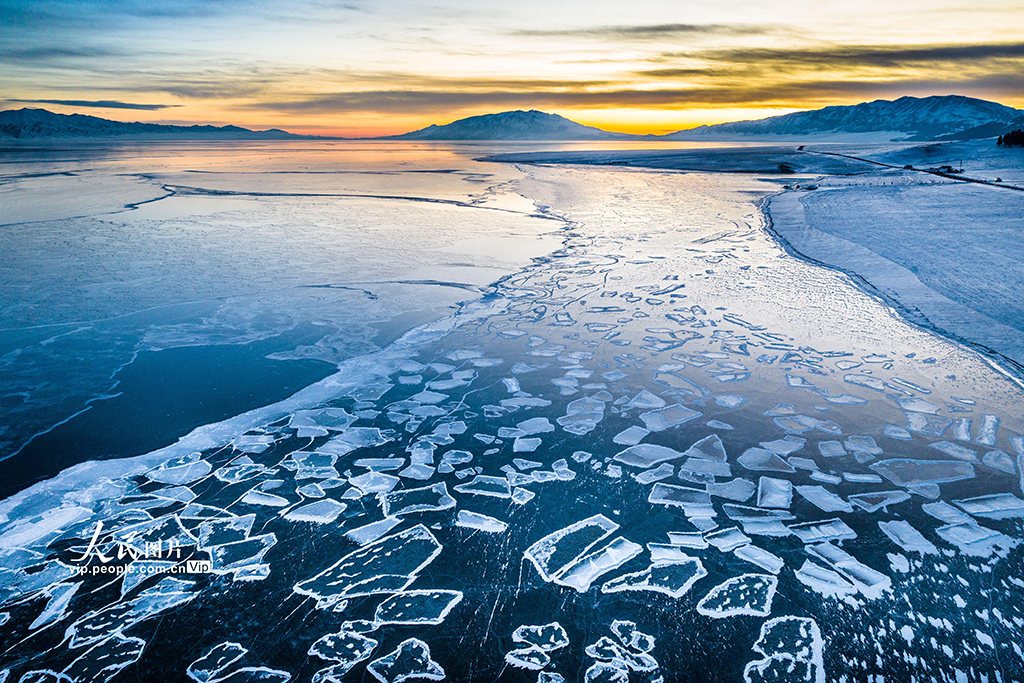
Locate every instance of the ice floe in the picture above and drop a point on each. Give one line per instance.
(387, 565)
(774, 493)
(902, 472)
(669, 416)
(763, 460)
(481, 522)
(426, 499)
(995, 506)
(417, 607)
(824, 499)
(869, 582)
(793, 651)
(646, 455)
(907, 537)
(410, 660)
(211, 665)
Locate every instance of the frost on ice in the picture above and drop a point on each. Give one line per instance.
(384, 566)
(673, 578)
(534, 645)
(417, 607)
(792, 649)
(746, 595)
(213, 663)
(409, 661)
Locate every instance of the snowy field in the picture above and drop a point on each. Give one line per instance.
(667, 450)
(945, 251)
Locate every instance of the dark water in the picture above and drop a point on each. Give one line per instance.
(163, 395)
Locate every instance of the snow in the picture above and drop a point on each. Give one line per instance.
(784, 642)
(948, 281)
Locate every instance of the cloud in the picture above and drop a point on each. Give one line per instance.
(51, 53)
(797, 75)
(440, 102)
(43, 13)
(101, 104)
(740, 92)
(861, 56)
(649, 32)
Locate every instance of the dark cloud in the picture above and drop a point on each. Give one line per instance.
(650, 32)
(47, 13)
(738, 93)
(214, 89)
(860, 56)
(101, 104)
(51, 53)
(242, 82)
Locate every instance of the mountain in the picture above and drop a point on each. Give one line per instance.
(514, 125)
(946, 117)
(35, 124)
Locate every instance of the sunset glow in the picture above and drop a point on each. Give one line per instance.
(366, 68)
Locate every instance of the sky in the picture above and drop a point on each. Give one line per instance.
(376, 67)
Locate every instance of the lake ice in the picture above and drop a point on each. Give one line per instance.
(662, 449)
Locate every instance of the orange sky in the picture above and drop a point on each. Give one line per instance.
(365, 68)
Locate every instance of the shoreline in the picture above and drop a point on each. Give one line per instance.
(895, 286)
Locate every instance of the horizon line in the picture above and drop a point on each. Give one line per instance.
(271, 129)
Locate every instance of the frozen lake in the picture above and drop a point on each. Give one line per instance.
(510, 422)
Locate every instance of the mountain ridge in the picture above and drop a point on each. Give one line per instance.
(34, 124)
(918, 119)
(911, 119)
(514, 125)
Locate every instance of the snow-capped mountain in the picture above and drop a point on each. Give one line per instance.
(515, 125)
(908, 118)
(949, 117)
(39, 123)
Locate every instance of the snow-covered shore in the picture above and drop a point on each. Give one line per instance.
(945, 253)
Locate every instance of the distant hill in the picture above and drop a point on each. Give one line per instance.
(515, 125)
(947, 117)
(32, 124)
